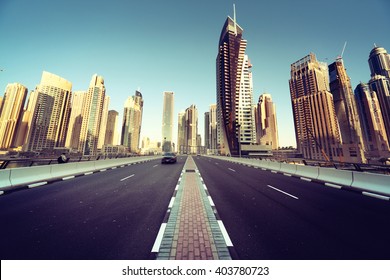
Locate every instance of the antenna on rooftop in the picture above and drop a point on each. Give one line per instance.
(234, 18)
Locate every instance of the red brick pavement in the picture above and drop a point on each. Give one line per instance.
(193, 239)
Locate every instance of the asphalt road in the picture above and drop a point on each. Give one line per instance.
(114, 214)
(272, 216)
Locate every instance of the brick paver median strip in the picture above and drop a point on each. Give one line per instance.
(192, 231)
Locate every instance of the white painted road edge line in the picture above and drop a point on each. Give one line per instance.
(333, 186)
(305, 179)
(204, 186)
(114, 168)
(273, 171)
(287, 174)
(211, 201)
(1, 192)
(276, 189)
(88, 173)
(102, 170)
(67, 178)
(177, 187)
(376, 195)
(160, 235)
(171, 202)
(127, 177)
(232, 170)
(225, 234)
(36, 185)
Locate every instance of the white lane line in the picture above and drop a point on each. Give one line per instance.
(36, 185)
(88, 173)
(225, 234)
(155, 165)
(171, 202)
(211, 201)
(114, 168)
(157, 242)
(287, 174)
(177, 187)
(204, 186)
(232, 170)
(67, 178)
(376, 195)
(127, 177)
(102, 170)
(276, 189)
(273, 171)
(305, 179)
(333, 186)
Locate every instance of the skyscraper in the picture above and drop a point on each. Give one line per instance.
(207, 130)
(379, 62)
(381, 85)
(132, 120)
(346, 112)
(191, 129)
(315, 121)
(373, 128)
(167, 121)
(234, 90)
(93, 120)
(50, 118)
(11, 112)
(111, 137)
(181, 130)
(266, 125)
(213, 128)
(75, 120)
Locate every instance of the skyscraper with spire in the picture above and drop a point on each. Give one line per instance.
(235, 124)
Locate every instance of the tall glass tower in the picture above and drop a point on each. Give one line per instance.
(346, 112)
(132, 120)
(167, 121)
(235, 125)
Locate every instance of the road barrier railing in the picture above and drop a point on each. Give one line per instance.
(355, 180)
(27, 176)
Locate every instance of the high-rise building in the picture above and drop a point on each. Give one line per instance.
(11, 112)
(266, 124)
(373, 128)
(207, 130)
(381, 85)
(346, 112)
(191, 129)
(49, 122)
(93, 126)
(234, 91)
(75, 120)
(315, 121)
(111, 137)
(181, 130)
(212, 129)
(379, 62)
(132, 120)
(167, 121)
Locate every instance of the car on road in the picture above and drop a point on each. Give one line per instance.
(169, 158)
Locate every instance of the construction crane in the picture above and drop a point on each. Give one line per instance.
(340, 57)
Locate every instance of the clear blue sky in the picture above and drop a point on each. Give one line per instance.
(172, 45)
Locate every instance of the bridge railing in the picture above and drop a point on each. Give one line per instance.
(362, 181)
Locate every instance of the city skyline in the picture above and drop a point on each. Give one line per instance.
(163, 47)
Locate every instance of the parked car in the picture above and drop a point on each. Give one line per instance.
(169, 158)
